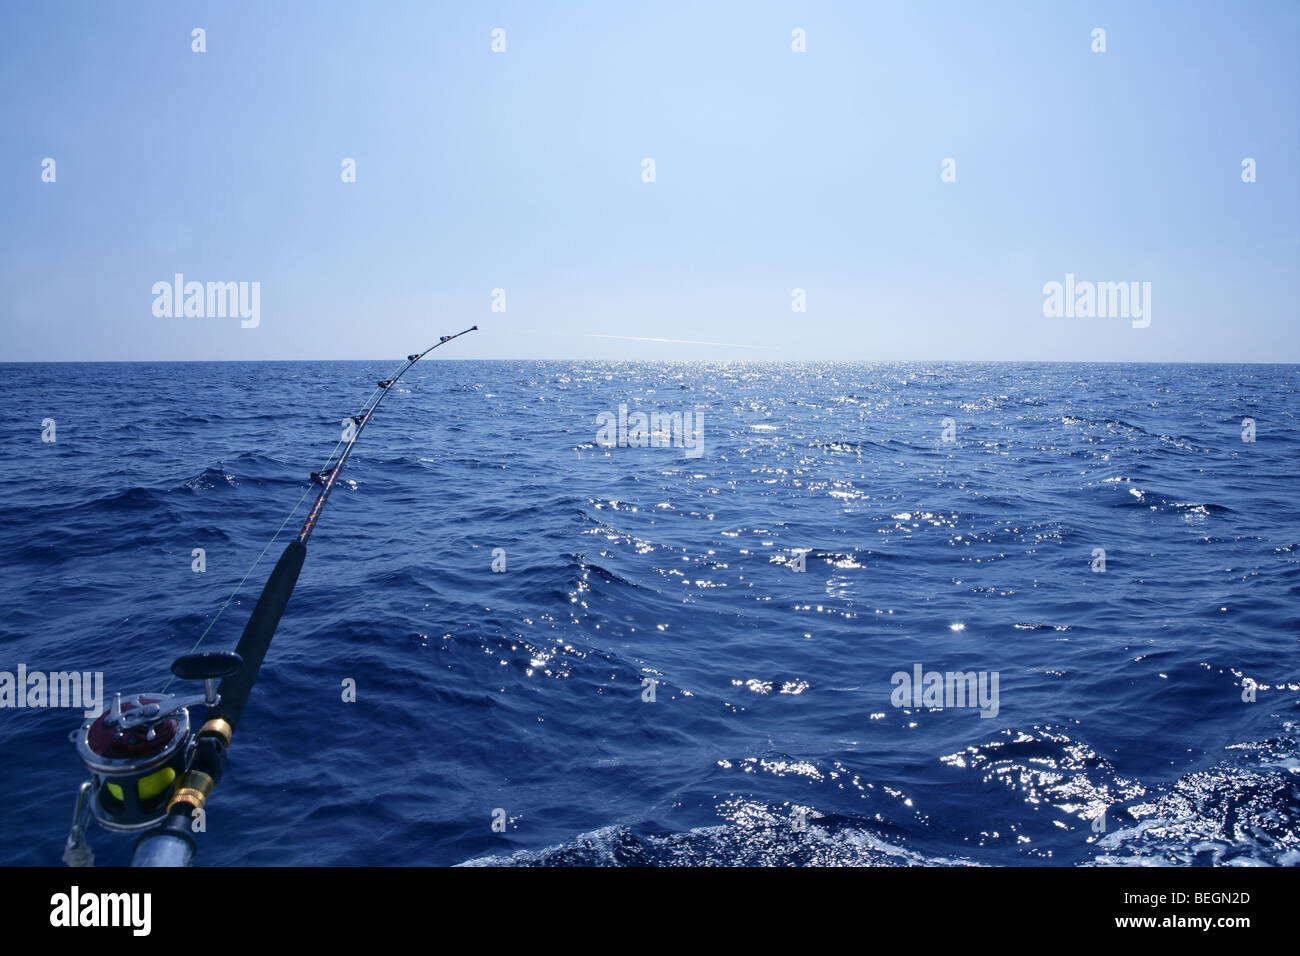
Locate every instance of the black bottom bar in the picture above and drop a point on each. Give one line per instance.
(974, 909)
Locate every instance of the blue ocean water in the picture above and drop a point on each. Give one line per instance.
(772, 737)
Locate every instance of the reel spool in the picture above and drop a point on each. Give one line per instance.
(141, 745)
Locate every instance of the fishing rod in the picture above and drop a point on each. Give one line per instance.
(149, 773)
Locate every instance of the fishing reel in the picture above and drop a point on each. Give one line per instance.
(137, 749)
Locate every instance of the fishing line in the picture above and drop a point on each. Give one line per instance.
(251, 568)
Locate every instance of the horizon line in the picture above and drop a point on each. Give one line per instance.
(838, 361)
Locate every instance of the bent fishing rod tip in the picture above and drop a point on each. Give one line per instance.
(448, 338)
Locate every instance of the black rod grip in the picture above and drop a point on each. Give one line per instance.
(258, 632)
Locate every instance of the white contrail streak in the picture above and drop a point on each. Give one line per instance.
(642, 338)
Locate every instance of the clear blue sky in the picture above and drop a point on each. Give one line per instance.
(775, 170)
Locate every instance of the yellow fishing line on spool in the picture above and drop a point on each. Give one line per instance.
(147, 788)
